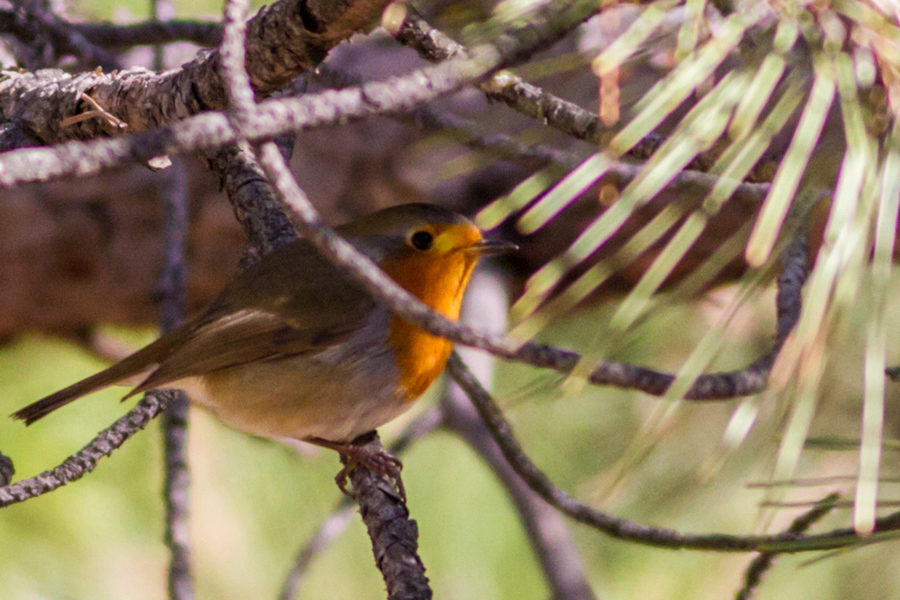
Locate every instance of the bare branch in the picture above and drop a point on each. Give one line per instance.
(758, 567)
(176, 485)
(160, 31)
(337, 521)
(30, 21)
(394, 535)
(85, 460)
(629, 530)
(545, 527)
(435, 46)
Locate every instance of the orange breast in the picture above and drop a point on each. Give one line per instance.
(440, 283)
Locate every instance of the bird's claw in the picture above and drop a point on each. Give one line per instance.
(377, 461)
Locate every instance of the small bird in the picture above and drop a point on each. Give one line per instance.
(294, 348)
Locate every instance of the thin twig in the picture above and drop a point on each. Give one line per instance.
(173, 290)
(486, 305)
(85, 460)
(629, 530)
(435, 46)
(758, 567)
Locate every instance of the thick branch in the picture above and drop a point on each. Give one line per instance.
(284, 39)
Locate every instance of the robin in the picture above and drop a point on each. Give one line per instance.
(293, 348)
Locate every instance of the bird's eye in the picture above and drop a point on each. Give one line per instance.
(422, 240)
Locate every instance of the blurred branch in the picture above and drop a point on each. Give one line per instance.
(337, 521)
(462, 130)
(173, 289)
(145, 33)
(28, 20)
(177, 480)
(85, 460)
(758, 567)
(329, 530)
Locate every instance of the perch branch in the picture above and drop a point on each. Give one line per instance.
(338, 520)
(394, 535)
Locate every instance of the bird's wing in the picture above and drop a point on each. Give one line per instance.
(290, 303)
(302, 304)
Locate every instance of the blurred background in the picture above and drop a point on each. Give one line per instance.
(78, 264)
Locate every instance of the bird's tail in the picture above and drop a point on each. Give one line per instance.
(127, 368)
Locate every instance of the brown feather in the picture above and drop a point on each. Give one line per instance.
(292, 302)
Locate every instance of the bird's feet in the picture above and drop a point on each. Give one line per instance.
(360, 452)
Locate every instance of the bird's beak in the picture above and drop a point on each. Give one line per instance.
(490, 247)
